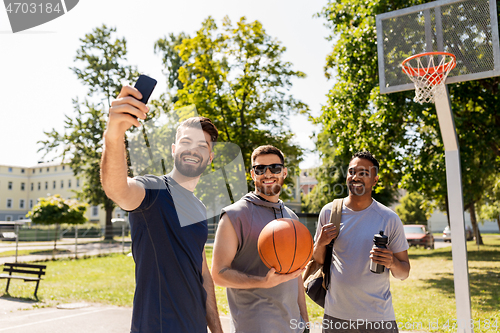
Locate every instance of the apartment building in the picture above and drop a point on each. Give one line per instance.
(21, 188)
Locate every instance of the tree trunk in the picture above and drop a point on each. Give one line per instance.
(477, 233)
(108, 233)
(498, 221)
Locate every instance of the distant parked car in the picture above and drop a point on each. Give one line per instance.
(417, 234)
(8, 236)
(447, 234)
(469, 234)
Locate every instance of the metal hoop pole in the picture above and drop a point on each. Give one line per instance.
(456, 209)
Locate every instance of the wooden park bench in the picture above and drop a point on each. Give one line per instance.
(25, 269)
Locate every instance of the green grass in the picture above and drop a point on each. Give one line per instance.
(427, 295)
(108, 280)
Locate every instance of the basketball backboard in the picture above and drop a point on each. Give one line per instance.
(466, 28)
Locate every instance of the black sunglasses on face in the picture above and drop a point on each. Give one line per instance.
(261, 169)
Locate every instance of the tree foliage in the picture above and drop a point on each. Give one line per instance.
(412, 209)
(236, 76)
(489, 205)
(404, 135)
(103, 59)
(56, 210)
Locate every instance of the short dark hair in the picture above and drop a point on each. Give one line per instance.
(367, 156)
(267, 150)
(205, 123)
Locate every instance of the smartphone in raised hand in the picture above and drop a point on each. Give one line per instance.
(145, 85)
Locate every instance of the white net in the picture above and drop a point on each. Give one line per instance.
(428, 72)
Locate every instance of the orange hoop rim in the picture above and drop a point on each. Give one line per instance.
(436, 70)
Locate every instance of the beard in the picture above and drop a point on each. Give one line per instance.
(189, 170)
(358, 191)
(270, 190)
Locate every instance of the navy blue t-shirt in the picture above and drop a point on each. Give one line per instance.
(169, 293)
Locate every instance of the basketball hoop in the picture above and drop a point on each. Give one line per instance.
(428, 78)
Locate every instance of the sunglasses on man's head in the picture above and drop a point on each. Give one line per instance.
(261, 169)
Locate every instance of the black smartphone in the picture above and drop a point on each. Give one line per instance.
(145, 85)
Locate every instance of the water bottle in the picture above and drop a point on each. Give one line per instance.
(379, 241)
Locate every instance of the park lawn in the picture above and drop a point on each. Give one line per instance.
(108, 279)
(426, 296)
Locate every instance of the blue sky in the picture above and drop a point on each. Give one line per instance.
(37, 86)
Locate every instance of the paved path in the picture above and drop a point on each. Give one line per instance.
(80, 318)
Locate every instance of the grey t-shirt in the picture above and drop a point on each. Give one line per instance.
(355, 292)
(258, 310)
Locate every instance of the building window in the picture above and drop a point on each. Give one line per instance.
(78, 182)
(48, 169)
(31, 203)
(63, 167)
(9, 186)
(33, 171)
(46, 185)
(54, 184)
(39, 188)
(9, 203)
(21, 217)
(21, 204)
(8, 217)
(69, 183)
(10, 169)
(22, 186)
(55, 168)
(95, 211)
(40, 170)
(62, 183)
(22, 170)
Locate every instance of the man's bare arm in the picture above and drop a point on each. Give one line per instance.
(213, 320)
(328, 232)
(398, 263)
(118, 187)
(225, 247)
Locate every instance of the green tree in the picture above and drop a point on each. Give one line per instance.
(56, 210)
(489, 205)
(412, 209)
(404, 135)
(103, 59)
(235, 75)
(332, 175)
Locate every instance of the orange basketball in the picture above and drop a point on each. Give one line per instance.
(286, 245)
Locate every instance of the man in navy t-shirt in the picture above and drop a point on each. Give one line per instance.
(174, 288)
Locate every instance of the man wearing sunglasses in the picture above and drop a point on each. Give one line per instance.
(260, 300)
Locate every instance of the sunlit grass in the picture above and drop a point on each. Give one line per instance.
(108, 280)
(428, 295)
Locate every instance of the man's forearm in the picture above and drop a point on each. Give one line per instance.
(213, 320)
(114, 168)
(231, 278)
(319, 253)
(400, 269)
